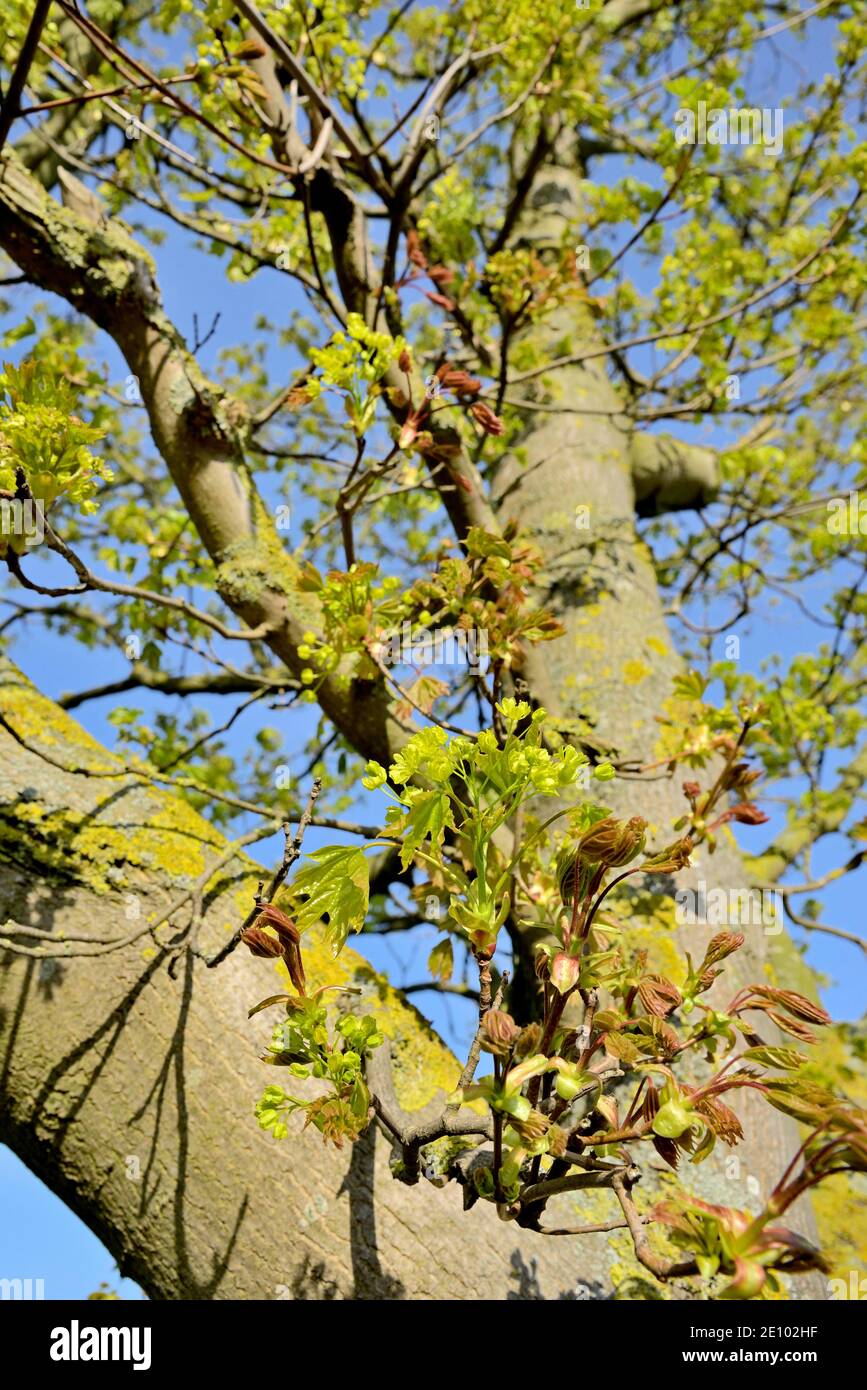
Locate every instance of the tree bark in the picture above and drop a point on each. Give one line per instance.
(147, 1067)
(131, 1093)
(612, 673)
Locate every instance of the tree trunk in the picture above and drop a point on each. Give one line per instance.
(573, 488)
(109, 1066)
(130, 1092)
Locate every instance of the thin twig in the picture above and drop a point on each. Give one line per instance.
(657, 1264)
(291, 852)
(475, 1052)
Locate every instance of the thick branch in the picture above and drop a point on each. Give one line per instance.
(198, 429)
(130, 1092)
(671, 476)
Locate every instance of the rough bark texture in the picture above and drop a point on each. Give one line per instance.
(130, 1093)
(111, 1058)
(198, 428)
(613, 671)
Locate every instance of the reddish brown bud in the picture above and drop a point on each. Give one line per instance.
(793, 1003)
(460, 382)
(414, 251)
(650, 1104)
(739, 777)
(721, 1120)
(792, 1026)
(720, 946)
(613, 843)
(410, 429)
(747, 813)
(260, 943)
(440, 274)
(490, 423)
(573, 872)
(271, 916)
(668, 1151)
(441, 300)
(499, 1032)
(290, 937)
(658, 995)
(297, 396)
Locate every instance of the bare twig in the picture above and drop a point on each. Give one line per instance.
(475, 1052)
(657, 1264)
(11, 102)
(291, 852)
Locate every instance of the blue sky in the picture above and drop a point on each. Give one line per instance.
(39, 1236)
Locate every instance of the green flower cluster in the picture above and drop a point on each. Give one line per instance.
(41, 435)
(302, 1044)
(355, 361)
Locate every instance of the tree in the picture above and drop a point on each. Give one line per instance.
(525, 240)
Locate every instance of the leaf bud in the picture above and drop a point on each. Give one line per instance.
(499, 1032)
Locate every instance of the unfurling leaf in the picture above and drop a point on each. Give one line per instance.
(336, 885)
(440, 962)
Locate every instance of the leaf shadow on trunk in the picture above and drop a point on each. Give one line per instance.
(57, 1104)
(173, 1069)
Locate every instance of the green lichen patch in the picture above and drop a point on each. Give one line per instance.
(40, 722)
(74, 845)
(106, 828)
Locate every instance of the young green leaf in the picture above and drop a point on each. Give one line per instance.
(337, 885)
